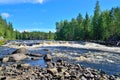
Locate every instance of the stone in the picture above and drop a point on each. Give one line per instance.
(5, 59)
(66, 74)
(25, 65)
(79, 67)
(52, 71)
(2, 78)
(61, 69)
(48, 57)
(49, 64)
(35, 58)
(21, 50)
(83, 78)
(17, 57)
(0, 68)
(88, 75)
(60, 60)
(35, 55)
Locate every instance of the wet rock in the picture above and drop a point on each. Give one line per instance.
(48, 57)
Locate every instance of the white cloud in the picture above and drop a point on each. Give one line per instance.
(5, 15)
(20, 1)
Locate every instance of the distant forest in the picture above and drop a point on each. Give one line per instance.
(100, 26)
(7, 32)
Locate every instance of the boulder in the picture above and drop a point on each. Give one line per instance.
(48, 57)
(21, 50)
(17, 57)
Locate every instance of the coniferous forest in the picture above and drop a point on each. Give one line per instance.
(101, 26)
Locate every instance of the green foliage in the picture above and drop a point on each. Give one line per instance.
(6, 29)
(35, 35)
(100, 26)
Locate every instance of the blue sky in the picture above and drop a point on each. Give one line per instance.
(41, 15)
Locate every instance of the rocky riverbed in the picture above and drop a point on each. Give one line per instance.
(25, 60)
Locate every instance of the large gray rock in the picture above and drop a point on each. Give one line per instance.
(17, 57)
(48, 57)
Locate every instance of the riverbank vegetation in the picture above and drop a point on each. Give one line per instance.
(100, 26)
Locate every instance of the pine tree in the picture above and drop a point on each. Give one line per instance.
(95, 22)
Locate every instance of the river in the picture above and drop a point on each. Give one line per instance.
(84, 53)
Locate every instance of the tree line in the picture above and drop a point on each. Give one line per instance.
(7, 32)
(35, 35)
(101, 26)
